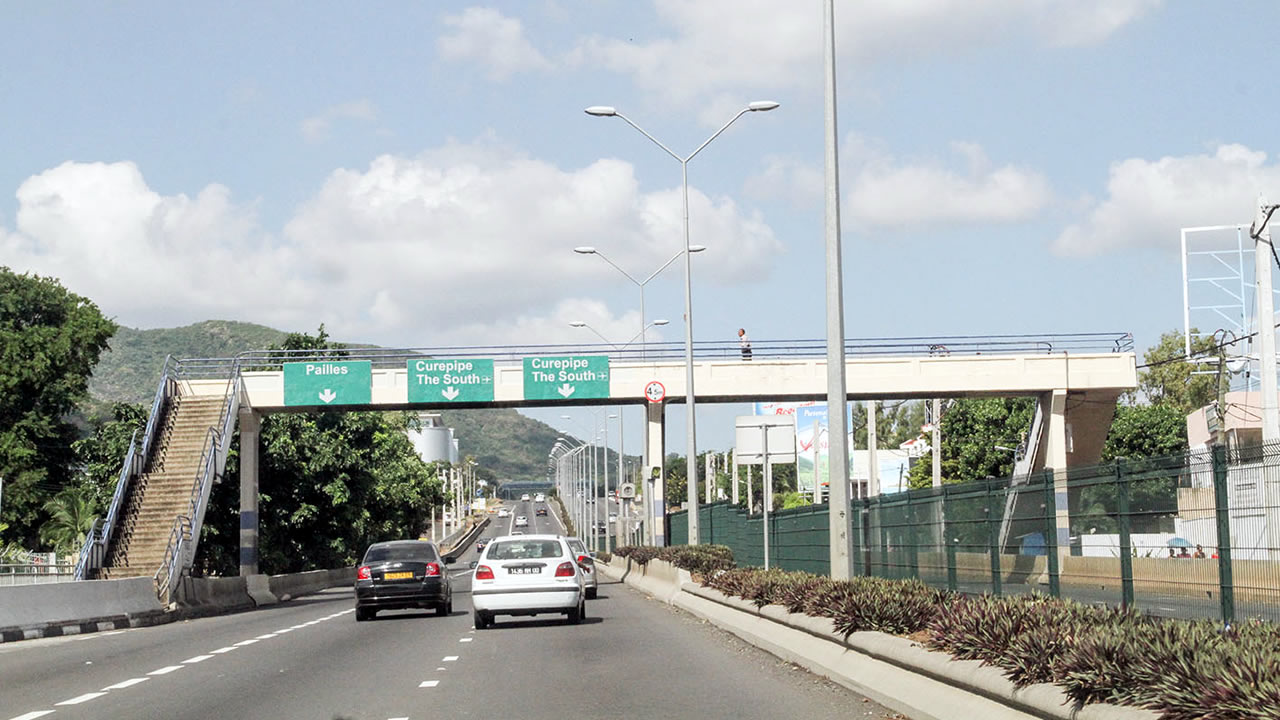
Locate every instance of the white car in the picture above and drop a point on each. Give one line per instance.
(539, 498)
(522, 521)
(528, 575)
(503, 512)
(588, 564)
(524, 497)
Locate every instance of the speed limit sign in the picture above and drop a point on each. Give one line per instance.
(655, 392)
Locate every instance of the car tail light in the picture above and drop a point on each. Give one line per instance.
(565, 570)
(484, 572)
(363, 573)
(433, 569)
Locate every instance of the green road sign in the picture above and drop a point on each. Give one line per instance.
(566, 377)
(328, 383)
(433, 380)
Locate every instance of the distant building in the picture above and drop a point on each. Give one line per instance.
(433, 441)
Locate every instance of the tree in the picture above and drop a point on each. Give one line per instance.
(972, 428)
(101, 455)
(50, 340)
(1168, 379)
(71, 514)
(1146, 431)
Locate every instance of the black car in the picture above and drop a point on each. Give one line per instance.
(540, 512)
(402, 574)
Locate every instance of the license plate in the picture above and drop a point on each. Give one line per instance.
(397, 576)
(523, 571)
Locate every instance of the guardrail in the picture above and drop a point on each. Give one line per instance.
(35, 573)
(195, 368)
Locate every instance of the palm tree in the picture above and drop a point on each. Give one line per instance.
(71, 515)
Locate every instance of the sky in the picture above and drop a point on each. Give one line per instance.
(418, 174)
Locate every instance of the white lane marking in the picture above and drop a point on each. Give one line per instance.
(127, 683)
(299, 626)
(313, 622)
(222, 650)
(348, 610)
(403, 718)
(450, 658)
(460, 574)
(286, 630)
(429, 683)
(439, 669)
(83, 698)
(33, 715)
(465, 639)
(268, 636)
(196, 659)
(242, 643)
(165, 670)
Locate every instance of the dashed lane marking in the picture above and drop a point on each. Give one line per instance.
(127, 683)
(222, 650)
(428, 683)
(242, 643)
(465, 639)
(268, 636)
(82, 698)
(165, 670)
(196, 659)
(34, 714)
(450, 658)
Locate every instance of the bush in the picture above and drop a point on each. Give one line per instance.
(704, 560)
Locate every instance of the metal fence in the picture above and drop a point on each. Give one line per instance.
(1192, 535)
(35, 573)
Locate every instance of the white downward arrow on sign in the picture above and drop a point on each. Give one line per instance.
(565, 390)
(328, 395)
(449, 393)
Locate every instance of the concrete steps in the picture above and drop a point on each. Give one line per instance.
(164, 491)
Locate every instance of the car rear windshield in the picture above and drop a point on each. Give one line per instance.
(382, 553)
(577, 546)
(524, 550)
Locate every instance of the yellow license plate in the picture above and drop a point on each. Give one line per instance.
(397, 576)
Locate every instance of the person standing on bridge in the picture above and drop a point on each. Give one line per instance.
(745, 343)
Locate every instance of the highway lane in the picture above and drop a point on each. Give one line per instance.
(308, 658)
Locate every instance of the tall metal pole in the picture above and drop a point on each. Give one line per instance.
(1267, 354)
(690, 410)
(606, 481)
(841, 541)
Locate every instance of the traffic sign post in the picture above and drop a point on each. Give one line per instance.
(328, 383)
(444, 380)
(566, 377)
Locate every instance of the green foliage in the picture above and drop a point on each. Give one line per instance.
(50, 340)
(101, 454)
(1146, 431)
(896, 422)
(71, 515)
(1171, 383)
(705, 560)
(971, 430)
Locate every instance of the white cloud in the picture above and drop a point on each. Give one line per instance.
(468, 243)
(317, 127)
(1149, 201)
(717, 46)
(490, 38)
(884, 191)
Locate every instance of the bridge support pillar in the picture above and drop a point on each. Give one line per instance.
(250, 428)
(655, 491)
(1053, 405)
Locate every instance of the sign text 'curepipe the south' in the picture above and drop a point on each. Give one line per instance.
(566, 377)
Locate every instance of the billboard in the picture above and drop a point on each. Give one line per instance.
(812, 441)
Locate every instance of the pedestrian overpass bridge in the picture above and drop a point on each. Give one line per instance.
(1076, 379)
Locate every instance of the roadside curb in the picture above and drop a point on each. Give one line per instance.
(68, 628)
(891, 670)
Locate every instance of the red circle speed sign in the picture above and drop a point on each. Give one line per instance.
(655, 392)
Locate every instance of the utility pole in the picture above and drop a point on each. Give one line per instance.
(936, 442)
(873, 463)
(1262, 258)
(840, 544)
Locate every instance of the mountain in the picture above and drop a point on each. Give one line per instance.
(504, 442)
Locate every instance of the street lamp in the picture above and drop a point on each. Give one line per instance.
(582, 324)
(590, 250)
(690, 410)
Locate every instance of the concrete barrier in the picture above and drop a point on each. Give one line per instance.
(214, 594)
(287, 587)
(29, 605)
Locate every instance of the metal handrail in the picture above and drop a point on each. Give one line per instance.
(164, 580)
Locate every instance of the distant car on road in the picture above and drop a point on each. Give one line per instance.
(524, 497)
(539, 498)
(528, 575)
(522, 521)
(402, 574)
(540, 512)
(503, 512)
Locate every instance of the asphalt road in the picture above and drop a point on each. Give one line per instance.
(633, 658)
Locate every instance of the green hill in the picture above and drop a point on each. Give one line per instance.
(507, 445)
